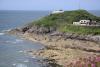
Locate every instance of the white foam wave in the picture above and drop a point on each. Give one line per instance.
(19, 40)
(11, 42)
(33, 57)
(14, 64)
(20, 51)
(26, 61)
(19, 65)
(2, 33)
(14, 42)
(6, 30)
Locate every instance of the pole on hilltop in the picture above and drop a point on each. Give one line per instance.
(79, 6)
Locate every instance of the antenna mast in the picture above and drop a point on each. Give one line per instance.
(79, 6)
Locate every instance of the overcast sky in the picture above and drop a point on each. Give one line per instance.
(49, 4)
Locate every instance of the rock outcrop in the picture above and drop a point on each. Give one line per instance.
(53, 32)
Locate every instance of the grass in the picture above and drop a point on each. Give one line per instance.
(85, 30)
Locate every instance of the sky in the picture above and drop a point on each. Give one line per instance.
(49, 4)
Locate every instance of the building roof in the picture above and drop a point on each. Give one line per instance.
(57, 11)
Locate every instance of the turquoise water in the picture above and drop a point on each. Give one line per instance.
(11, 47)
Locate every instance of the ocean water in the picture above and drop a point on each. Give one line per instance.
(11, 19)
(95, 12)
(12, 48)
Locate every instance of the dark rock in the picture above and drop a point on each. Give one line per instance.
(24, 29)
(39, 30)
(56, 33)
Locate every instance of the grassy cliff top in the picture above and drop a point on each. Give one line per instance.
(63, 21)
(68, 17)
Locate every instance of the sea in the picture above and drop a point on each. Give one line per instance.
(12, 48)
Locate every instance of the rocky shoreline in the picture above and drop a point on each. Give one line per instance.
(60, 48)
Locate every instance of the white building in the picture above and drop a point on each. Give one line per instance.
(57, 11)
(82, 22)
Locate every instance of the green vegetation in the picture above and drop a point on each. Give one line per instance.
(85, 30)
(63, 22)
